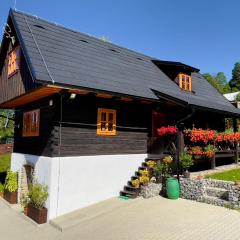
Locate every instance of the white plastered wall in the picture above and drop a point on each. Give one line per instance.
(76, 182)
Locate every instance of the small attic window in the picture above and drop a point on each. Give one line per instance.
(113, 50)
(185, 82)
(140, 58)
(13, 61)
(82, 40)
(39, 26)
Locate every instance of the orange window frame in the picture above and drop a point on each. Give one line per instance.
(106, 122)
(31, 123)
(13, 61)
(185, 82)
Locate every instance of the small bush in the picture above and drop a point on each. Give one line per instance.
(11, 183)
(38, 195)
(1, 188)
(186, 160)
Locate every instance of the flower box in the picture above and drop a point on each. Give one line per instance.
(11, 197)
(38, 215)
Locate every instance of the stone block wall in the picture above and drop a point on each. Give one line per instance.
(216, 192)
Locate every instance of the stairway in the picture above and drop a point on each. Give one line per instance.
(216, 195)
(129, 190)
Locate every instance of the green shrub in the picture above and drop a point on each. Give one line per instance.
(1, 188)
(186, 160)
(238, 97)
(38, 195)
(11, 182)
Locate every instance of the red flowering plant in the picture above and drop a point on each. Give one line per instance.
(196, 150)
(209, 151)
(169, 130)
(199, 135)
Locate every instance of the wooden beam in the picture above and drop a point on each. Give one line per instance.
(79, 91)
(31, 96)
(104, 95)
(125, 99)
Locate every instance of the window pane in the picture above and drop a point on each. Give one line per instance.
(110, 117)
(103, 126)
(183, 84)
(103, 117)
(110, 126)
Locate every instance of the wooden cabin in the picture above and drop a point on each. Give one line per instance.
(87, 111)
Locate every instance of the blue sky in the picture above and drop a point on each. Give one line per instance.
(204, 34)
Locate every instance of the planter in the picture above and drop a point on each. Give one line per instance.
(173, 188)
(1, 194)
(25, 210)
(11, 197)
(186, 174)
(38, 215)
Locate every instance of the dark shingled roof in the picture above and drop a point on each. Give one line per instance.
(59, 55)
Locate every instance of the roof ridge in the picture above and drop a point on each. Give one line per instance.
(86, 34)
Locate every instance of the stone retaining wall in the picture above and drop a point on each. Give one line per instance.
(216, 192)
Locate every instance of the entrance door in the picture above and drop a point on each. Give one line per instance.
(155, 143)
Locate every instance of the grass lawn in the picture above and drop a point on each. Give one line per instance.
(231, 175)
(5, 162)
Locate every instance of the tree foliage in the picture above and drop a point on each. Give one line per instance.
(235, 81)
(218, 81)
(6, 127)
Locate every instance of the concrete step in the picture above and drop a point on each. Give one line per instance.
(217, 192)
(215, 201)
(75, 218)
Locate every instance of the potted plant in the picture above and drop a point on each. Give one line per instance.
(11, 187)
(186, 162)
(144, 180)
(38, 195)
(209, 151)
(24, 203)
(1, 190)
(157, 171)
(135, 183)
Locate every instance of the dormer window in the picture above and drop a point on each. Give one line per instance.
(185, 82)
(13, 61)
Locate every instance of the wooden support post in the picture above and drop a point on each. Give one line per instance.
(213, 162)
(180, 146)
(235, 143)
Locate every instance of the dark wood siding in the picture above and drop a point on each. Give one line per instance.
(42, 145)
(19, 83)
(79, 128)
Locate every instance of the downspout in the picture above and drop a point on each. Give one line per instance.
(59, 148)
(180, 127)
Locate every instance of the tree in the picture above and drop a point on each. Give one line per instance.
(105, 39)
(6, 127)
(218, 81)
(221, 79)
(235, 81)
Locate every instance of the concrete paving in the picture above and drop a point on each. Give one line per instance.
(152, 219)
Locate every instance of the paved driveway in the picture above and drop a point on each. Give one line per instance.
(116, 219)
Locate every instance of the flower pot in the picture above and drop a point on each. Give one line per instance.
(38, 215)
(186, 174)
(11, 197)
(25, 210)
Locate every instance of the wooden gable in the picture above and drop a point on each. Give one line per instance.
(15, 77)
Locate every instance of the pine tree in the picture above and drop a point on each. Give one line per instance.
(235, 81)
